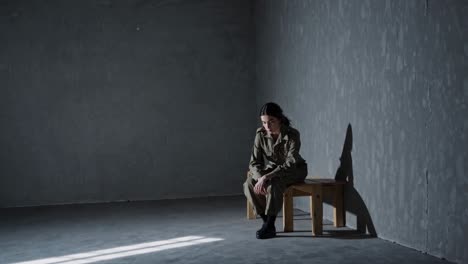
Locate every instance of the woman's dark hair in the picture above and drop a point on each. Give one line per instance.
(273, 109)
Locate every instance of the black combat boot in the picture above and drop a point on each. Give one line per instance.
(268, 230)
(264, 218)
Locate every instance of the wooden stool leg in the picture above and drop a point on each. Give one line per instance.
(250, 212)
(311, 209)
(338, 211)
(317, 211)
(288, 213)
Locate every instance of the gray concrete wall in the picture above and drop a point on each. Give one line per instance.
(396, 72)
(124, 100)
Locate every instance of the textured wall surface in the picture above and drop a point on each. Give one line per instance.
(396, 71)
(124, 100)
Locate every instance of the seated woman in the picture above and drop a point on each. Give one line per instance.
(275, 164)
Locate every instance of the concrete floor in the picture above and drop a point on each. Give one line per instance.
(210, 230)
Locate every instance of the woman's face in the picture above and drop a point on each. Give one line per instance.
(271, 124)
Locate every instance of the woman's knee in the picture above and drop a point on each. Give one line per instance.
(248, 184)
(275, 186)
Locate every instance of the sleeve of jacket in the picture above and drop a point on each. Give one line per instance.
(292, 156)
(256, 164)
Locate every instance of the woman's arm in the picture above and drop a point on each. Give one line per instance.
(256, 164)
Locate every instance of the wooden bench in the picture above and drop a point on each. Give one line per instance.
(316, 188)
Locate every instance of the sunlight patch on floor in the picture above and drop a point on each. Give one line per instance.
(123, 251)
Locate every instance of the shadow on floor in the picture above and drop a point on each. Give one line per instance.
(339, 234)
(303, 221)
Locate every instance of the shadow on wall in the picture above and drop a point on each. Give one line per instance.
(353, 201)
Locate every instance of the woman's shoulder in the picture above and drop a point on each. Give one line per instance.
(291, 131)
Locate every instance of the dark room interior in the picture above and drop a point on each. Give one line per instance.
(114, 115)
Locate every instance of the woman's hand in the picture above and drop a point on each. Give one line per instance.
(261, 185)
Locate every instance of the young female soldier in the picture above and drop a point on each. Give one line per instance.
(275, 164)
